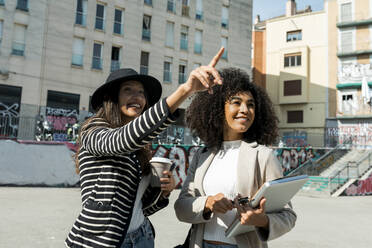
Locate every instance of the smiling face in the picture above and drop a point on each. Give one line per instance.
(239, 115)
(132, 100)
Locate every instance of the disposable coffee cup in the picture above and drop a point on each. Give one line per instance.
(158, 165)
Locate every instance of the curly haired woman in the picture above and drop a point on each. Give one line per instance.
(236, 122)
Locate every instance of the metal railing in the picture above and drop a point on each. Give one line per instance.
(352, 170)
(81, 18)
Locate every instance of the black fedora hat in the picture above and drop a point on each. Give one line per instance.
(110, 89)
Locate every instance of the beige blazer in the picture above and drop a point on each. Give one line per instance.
(256, 165)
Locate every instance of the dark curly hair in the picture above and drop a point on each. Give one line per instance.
(206, 113)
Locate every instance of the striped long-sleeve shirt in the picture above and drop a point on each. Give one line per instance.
(110, 175)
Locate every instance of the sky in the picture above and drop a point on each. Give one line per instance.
(272, 8)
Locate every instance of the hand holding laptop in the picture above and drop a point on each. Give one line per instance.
(249, 215)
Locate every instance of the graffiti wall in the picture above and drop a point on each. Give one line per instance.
(290, 158)
(181, 157)
(358, 132)
(359, 187)
(293, 157)
(297, 138)
(9, 118)
(60, 124)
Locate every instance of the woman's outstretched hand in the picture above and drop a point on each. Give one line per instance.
(205, 77)
(201, 78)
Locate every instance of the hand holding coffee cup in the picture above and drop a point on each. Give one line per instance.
(161, 174)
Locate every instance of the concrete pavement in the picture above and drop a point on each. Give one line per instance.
(42, 217)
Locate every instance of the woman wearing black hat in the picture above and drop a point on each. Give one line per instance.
(113, 157)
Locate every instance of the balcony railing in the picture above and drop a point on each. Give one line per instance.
(77, 59)
(362, 47)
(144, 70)
(225, 23)
(100, 23)
(97, 63)
(167, 76)
(146, 34)
(115, 65)
(181, 78)
(171, 6)
(118, 28)
(355, 19)
(199, 15)
(185, 10)
(81, 19)
(184, 44)
(198, 48)
(18, 48)
(22, 5)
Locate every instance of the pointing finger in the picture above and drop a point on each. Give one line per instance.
(217, 57)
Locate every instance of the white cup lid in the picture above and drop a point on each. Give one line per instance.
(161, 160)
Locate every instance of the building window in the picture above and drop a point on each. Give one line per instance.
(63, 100)
(115, 58)
(148, 2)
(182, 72)
(225, 17)
(118, 22)
(144, 67)
(171, 6)
(2, 2)
(292, 60)
(100, 17)
(97, 56)
(185, 8)
(224, 44)
(346, 15)
(22, 5)
(196, 65)
(18, 46)
(184, 37)
(199, 10)
(198, 42)
(169, 39)
(81, 12)
(294, 35)
(346, 41)
(167, 75)
(292, 88)
(296, 116)
(348, 106)
(146, 28)
(78, 52)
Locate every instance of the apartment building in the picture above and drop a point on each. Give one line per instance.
(350, 71)
(54, 54)
(290, 60)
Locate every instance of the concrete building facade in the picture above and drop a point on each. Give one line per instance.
(54, 54)
(350, 71)
(296, 73)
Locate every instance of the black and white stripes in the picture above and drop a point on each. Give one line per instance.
(109, 177)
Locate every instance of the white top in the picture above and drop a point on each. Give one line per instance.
(221, 178)
(137, 217)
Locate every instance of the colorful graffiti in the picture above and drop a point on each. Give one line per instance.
(181, 157)
(292, 158)
(9, 118)
(62, 122)
(296, 138)
(360, 188)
